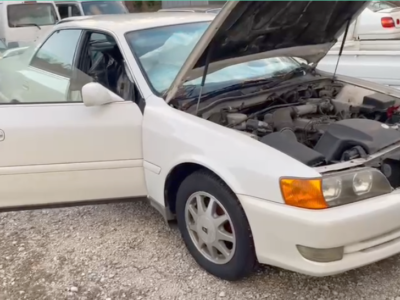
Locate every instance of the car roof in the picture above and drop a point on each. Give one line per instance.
(135, 21)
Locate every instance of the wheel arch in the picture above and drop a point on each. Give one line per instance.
(182, 170)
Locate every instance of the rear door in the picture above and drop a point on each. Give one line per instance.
(54, 149)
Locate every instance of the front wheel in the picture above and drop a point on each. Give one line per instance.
(214, 227)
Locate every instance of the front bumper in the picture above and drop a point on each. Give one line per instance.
(368, 230)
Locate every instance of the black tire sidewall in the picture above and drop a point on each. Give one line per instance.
(243, 261)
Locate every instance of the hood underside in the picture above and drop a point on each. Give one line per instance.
(249, 30)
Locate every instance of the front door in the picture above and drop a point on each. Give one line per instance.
(54, 149)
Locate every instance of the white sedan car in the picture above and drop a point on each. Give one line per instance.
(380, 20)
(259, 158)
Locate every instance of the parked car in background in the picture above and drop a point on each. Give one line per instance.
(380, 20)
(86, 8)
(201, 9)
(372, 47)
(8, 52)
(24, 22)
(12, 52)
(376, 61)
(263, 160)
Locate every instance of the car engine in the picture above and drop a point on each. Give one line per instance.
(317, 124)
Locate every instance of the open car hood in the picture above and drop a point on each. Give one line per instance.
(249, 30)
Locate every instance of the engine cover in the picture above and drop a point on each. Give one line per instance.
(288, 144)
(340, 136)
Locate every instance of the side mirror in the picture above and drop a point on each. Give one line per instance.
(94, 94)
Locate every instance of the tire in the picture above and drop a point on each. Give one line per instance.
(241, 260)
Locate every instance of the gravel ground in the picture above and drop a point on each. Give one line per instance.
(125, 251)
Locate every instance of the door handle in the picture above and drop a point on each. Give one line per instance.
(25, 87)
(2, 135)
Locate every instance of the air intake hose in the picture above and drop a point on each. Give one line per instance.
(283, 117)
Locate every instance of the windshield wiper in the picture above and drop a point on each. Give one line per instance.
(233, 87)
(28, 24)
(267, 83)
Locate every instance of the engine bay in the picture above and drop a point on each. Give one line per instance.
(318, 123)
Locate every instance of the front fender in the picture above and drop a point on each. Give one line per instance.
(208, 162)
(172, 137)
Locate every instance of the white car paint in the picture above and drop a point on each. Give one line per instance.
(369, 230)
(94, 153)
(71, 152)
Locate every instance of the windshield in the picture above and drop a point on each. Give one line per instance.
(23, 15)
(103, 8)
(163, 51)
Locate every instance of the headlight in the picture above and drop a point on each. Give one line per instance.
(335, 189)
(354, 185)
(362, 182)
(331, 188)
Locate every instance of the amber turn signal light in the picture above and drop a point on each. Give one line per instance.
(304, 193)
